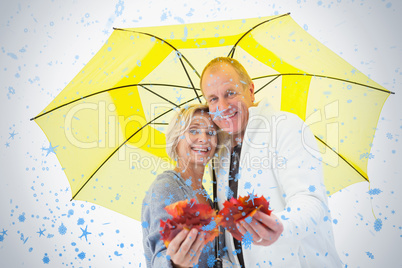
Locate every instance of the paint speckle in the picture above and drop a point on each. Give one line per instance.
(62, 229)
(46, 259)
(81, 255)
(374, 191)
(119, 8)
(378, 225)
(22, 218)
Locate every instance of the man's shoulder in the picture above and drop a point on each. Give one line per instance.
(266, 111)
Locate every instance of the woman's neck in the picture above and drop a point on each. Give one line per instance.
(193, 174)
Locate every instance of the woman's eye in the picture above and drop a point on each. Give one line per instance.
(193, 131)
(211, 133)
(231, 93)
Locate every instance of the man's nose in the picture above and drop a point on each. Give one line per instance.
(222, 105)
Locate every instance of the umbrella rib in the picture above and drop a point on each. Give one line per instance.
(163, 40)
(231, 52)
(364, 177)
(329, 77)
(168, 111)
(159, 95)
(188, 76)
(106, 90)
(266, 84)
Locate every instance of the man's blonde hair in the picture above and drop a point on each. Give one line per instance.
(245, 79)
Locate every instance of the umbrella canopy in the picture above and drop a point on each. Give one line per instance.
(109, 121)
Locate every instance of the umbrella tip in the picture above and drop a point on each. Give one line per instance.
(33, 118)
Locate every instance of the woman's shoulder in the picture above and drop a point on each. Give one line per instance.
(167, 181)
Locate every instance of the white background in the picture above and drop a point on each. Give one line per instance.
(44, 44)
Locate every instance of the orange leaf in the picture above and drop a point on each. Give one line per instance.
(188, 215)
(236, 210)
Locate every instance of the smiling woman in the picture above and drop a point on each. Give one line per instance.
(191, 140)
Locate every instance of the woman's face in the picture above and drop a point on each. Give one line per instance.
(197, 144)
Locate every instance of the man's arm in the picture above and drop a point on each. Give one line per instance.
(301, 182)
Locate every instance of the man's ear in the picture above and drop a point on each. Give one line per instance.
(251, 88)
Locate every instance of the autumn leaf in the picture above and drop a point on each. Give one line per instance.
(239, 209)
(188, 215)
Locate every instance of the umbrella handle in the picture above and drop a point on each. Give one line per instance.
(218, 260)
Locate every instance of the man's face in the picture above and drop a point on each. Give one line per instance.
(228, 98)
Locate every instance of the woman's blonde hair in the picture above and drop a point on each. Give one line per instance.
(180, 124)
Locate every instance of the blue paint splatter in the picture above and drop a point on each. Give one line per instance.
(247, 185)
(119, 8)
(366, 155)
(21, 218)
(374, 191)
(46, 259)
(184, 39)
(1, 238)
(62, 229)
(179, 19)
(247, 240)
(85, 233)
(12, 55)
(70, 213)
(80, 221)
(209, 227)
(211, 261)
(117, 253)
(312, 188)
(189, 182)
(378, 225)
(81, 255)
(139, 63)
(370, 255)
(144, 224)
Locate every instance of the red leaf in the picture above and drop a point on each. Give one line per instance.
(188, 215)
(236, 210)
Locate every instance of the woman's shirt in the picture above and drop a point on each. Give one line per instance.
(168, 188)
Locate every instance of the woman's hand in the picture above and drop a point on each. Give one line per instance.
(185, 249)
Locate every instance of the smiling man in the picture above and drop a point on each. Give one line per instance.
(270, 154)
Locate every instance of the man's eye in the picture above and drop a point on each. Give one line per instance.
(212, 133)
(212, 99)
(231, 93)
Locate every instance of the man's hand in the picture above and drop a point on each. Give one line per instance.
(265, 229)
(185, 249)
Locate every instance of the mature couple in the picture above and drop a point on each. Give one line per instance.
(298, 233)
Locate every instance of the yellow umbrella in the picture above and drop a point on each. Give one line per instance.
(109, 121)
